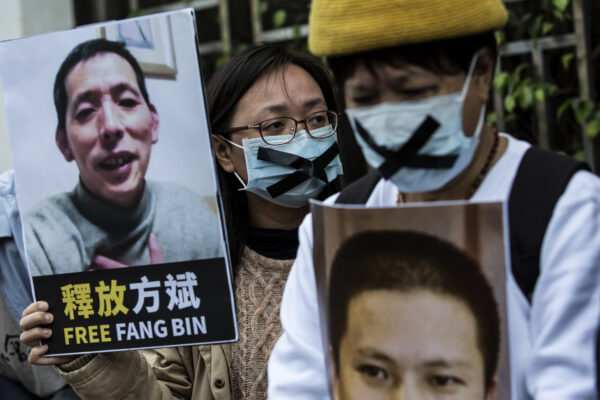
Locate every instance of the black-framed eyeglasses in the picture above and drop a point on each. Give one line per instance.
(281, 130)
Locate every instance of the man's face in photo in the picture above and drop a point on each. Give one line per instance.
(416, 345)
(110, 128)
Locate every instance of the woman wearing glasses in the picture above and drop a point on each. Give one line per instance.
(274, 121)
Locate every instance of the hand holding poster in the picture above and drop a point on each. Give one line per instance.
(412, 300)
(98, 191)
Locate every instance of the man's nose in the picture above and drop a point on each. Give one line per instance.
(410, 390)
(111, 128)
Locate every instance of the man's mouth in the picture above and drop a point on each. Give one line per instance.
(117, 161)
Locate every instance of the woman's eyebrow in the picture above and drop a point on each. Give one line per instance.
(283, 108)
(313, 103)
(274, 108)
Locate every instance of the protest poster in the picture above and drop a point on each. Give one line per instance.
(116, 185)
(412, 299)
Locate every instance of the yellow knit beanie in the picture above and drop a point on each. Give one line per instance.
(351, 26)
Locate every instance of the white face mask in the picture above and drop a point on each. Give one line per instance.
(418, 145)
(293, 173)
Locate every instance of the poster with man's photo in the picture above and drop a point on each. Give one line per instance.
(116, 185)
(412, 300)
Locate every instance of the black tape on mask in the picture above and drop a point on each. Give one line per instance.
(407, 155)
(305, 169)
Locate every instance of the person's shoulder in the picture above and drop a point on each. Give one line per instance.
(581, 180)
(383, 192)
(171, 190)
(55, 206)
(7, 183)
(8, 203)
(516, 147)
(584, 185)
(180, 199)
(173, 193)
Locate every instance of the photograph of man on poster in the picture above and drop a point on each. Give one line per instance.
(410, 316)
(114, 217)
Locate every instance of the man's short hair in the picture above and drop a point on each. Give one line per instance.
(84, 51)
(408, 261)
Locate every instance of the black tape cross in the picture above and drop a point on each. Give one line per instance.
(407, 155)
(305, 169)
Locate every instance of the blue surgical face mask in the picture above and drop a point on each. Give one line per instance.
(290, 174)
(419, 145)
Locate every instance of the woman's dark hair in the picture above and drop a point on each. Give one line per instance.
(84, 51)
(225, 89)
(408, 261)
(448, 56)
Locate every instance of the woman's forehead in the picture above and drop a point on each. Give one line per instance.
(284, 91)
(287, 84)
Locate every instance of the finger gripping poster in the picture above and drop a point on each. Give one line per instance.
(412, 300)
(116, 185)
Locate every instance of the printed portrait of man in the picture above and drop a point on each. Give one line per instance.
(114, 217)
(410, 316)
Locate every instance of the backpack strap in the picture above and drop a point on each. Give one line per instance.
(541, 179)
(359, 191)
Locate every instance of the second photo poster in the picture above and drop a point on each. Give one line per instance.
(412, 299)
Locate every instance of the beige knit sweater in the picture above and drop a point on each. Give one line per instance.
(258, 285)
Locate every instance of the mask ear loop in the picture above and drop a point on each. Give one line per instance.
(479, 126)
(463, 95)
(231, 142)
(239, 178)
(467, 84)
(244, 186)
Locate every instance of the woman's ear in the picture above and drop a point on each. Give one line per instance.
(484, 73)
(222, 151)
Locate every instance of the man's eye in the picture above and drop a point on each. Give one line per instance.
(128, 103)
(445, 380)
(373, 372)
(84, 114)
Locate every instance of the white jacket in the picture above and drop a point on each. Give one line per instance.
(552, 340)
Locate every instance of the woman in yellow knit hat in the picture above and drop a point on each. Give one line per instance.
(415, 75)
